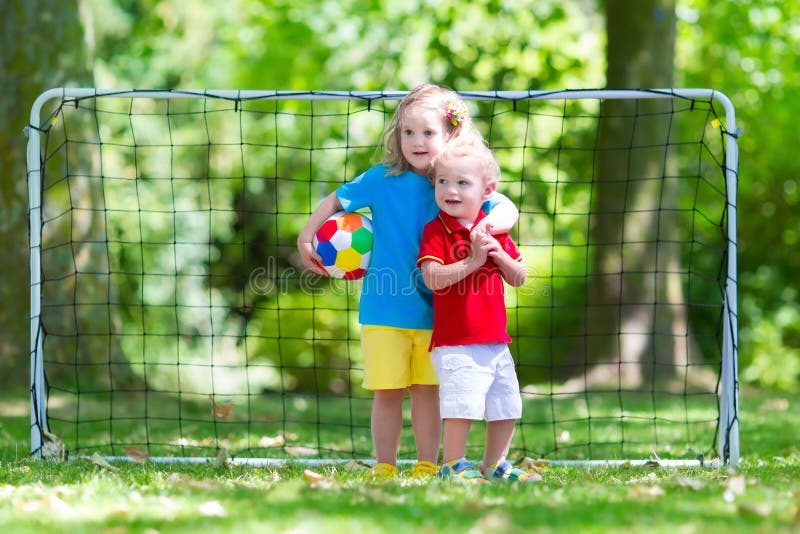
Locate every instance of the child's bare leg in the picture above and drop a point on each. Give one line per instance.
(387, 423)
(456, 432)
(426, 421)
(498, 440)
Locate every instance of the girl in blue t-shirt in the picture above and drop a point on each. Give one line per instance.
(395, 308)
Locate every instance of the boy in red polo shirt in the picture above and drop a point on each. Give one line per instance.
(469, 350)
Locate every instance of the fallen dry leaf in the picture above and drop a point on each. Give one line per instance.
(267, 441)
(354, 465)
(734, 487)
(301, 451)
(118, 511)
(650, 465)
(50, 504)
(736, 484)
(645, 492)
(312, 476)
(316, 480)
(137, 455)
(52, 447)
(754, 509)
(496, 520)
(184, 481)
(222, 456)
(534, 464)
(691, 483)
(176, 479)
(222, 412)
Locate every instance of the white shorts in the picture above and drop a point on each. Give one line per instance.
(477, 382)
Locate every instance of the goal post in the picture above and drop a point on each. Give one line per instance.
(171, 318)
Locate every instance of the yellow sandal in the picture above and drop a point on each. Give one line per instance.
(383, 470)
(423, 469)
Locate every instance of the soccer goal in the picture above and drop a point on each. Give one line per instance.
(172, 320)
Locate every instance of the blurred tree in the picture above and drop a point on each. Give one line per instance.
(395, 45)
(41, 46)
(48, 44)
(624, 229)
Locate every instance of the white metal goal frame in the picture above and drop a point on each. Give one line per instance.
(728, 427)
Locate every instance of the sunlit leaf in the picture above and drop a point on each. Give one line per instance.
(98, 460)
(316, 480)
(211, 509)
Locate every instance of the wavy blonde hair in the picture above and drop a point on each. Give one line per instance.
(471, 145)
(429, 97)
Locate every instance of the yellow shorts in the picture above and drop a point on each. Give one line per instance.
(396, 358)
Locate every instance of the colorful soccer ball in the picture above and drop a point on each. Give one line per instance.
(344, 241)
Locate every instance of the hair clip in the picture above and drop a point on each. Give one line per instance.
(455, 112)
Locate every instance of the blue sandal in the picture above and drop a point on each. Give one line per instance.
(505, 472)
(460, 471)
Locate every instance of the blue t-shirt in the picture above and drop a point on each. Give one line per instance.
(393, 292)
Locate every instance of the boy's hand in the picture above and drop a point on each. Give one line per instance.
(482, 226)
(483, 245)
(490, 244)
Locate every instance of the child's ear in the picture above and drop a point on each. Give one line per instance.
(489, 189)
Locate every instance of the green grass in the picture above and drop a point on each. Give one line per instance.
(601, 425)
(81, 496)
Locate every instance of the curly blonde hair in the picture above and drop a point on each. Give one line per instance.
(429, 96)
(471, 145)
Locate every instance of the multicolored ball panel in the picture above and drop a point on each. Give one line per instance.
(344, 242)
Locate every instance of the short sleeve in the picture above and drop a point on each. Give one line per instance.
(360, 192)
(432, 245)
(509, 246)
(494, 199)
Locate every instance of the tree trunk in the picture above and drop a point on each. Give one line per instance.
(43, 44)
(634, 296)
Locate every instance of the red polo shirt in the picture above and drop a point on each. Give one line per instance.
(472, 310)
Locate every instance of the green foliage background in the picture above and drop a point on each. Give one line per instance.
(750, 51)
(747, 49)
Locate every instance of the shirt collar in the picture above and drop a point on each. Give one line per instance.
(451, 224)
